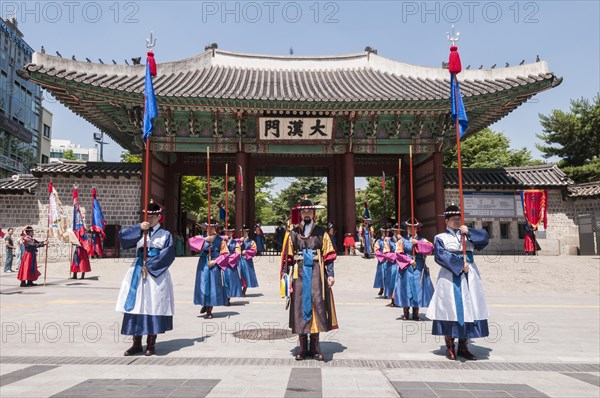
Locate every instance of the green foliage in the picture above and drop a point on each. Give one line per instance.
(69, 155)
(128, 157)
(381, 207)
(488, 148)
(574, 137)
(314, 188)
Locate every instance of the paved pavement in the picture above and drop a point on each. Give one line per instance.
(63, 339)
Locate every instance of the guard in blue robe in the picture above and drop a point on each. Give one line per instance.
(209, 289)
(246, 264)
(414, 288)
(231, 273)
(458, 307)
(146, 295)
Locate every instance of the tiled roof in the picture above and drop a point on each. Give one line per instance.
(89, 168)
(19, 184)
(586, 190)
(509, 177)
(355, 77)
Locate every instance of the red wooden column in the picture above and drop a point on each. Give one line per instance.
(438, 181)
(250, 195)
(349, 201)
(241, 209)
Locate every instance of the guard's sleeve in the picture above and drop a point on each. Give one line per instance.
(444, 258)
(479, 237)
(329, 254)
(130, 236)
(158, 264)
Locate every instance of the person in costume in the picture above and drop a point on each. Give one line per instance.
(209, 289)
(331, 232)
(279, 234)
(381, 247)
(349, 243)
(146, 296)
(81, 260)
(246, 264)
(366, 233)
(458, 307)
(28, 270)
(231, 273)
(415, 287)
(260, 238)
(307, 276)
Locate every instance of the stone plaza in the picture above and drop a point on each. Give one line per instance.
(63, 339)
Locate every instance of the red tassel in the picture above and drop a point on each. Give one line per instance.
(75, 193)
(94, 192)
(295, 216)
(152, 63)
(454, 61)
(50, 187)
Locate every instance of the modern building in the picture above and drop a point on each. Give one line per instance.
(58, 148)
(20, 104)
(46, 136)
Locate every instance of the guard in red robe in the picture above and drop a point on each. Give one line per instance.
(28, 271)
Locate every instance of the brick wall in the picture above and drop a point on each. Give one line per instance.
(119, 198)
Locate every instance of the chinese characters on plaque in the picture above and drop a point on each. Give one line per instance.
(295, 128)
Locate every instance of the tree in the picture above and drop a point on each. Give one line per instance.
(574, 137)
(381, 207)
(488, 148)
(312, 187)
(128, 157)
(69, 155)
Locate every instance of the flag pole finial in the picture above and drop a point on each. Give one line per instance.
(150, 43)
(453, 36)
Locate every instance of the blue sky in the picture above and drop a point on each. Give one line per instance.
(564, 33)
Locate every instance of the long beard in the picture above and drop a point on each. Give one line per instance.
(307, 220)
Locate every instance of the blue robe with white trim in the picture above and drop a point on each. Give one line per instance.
(458, 307)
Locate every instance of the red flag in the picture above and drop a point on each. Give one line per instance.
(240, 178)
(383, 180)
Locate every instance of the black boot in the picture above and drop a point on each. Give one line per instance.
(23, 284)
(450, 353)
(244, 291)
(380, 292)
(303, 348)
(150, 343)
(228, 303)
(463, 351)
(406, 315)
(203, 309)
(136, 348)
(416, 314)
(314, 347)
(209, 314)
(30, 283)
(82, 275)
(74, 275)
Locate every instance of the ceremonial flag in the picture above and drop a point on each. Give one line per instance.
(458, 108)
(222, 213)
(150, 108)
(57, 219)
(535, 207)
(383, 180)
(78, 225)
(98, 223)
(240, 178)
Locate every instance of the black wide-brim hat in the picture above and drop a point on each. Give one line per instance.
(452, 210)
(245, 228)
(410, 223)
(307, 204)
(395, 228)
(153, 208)
(205, 225)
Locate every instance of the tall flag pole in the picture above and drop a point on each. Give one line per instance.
(384, 200)
(226, 196)
(240, 180)
(208, 185)
(412, 199)
(399, 191)
(459, 117)
(50, 211)
(150, 112)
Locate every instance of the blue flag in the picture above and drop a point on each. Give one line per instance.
(367, 214)
(458, 108)
(150, 109)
